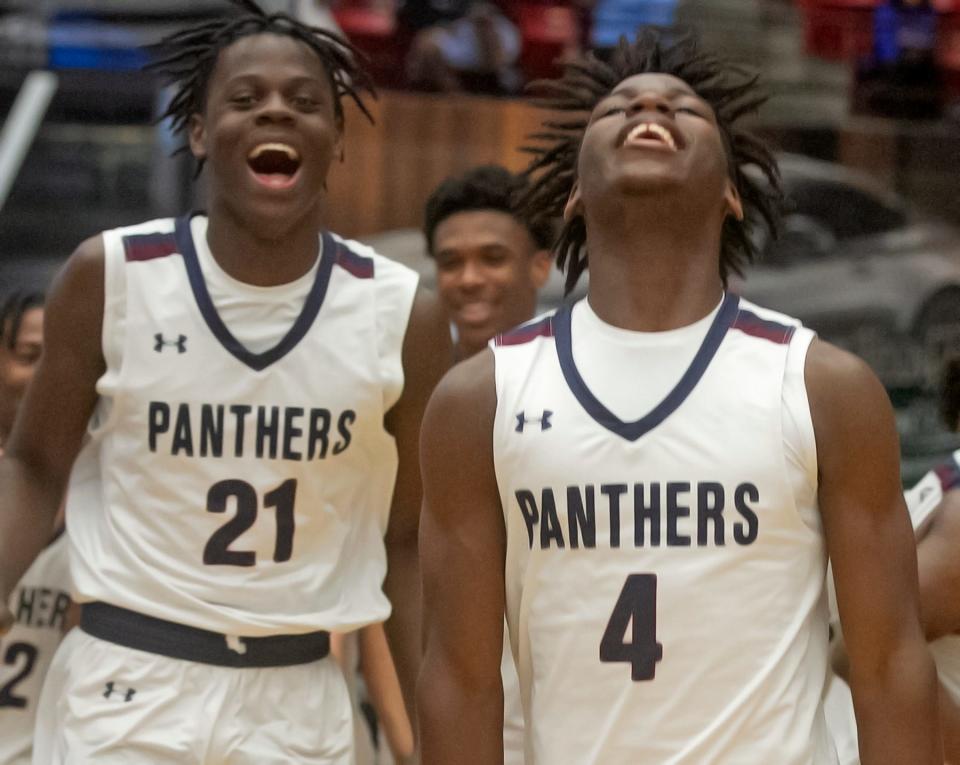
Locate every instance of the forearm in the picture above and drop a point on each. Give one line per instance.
(460, 722)
(896, 708)
(27, 515)
(402, 587)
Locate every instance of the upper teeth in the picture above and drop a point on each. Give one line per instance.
(651, 129)
(288, 150)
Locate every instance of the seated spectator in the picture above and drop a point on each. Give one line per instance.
(460, 45)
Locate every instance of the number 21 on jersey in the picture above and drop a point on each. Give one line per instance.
(217, 550)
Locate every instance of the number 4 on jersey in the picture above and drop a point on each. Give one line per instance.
(637, 605)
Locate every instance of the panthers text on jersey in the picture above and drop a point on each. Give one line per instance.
(39, 605)
(235, 490)
(664, 576)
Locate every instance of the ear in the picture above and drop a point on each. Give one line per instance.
(198, 137)
(734, 204)
(574, 206)
(540, 263)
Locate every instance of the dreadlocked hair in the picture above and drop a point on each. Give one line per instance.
(12, 311)
(187, 58)
(730, 89)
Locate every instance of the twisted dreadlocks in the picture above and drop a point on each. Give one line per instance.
(730, 89)
(187, 58)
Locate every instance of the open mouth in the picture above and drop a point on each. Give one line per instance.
(274, 164)
(651, 134)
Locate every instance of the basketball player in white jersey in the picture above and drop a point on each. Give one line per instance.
(650, 482)
(934, 505)
(239, 396)
(40, 602)
(491, 259)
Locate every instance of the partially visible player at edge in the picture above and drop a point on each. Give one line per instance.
(40, 602)
(651, 481)
(934, 505)
(239, 396)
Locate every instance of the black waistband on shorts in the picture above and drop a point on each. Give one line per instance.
(178, 641)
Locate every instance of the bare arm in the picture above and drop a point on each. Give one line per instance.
(383, 685)
(427, 353)
(463, 542)
(53, 417)
(871, 544)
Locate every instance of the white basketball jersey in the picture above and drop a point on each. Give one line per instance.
(922, 501)
(39, 604)
(237, 491)
(664, 586)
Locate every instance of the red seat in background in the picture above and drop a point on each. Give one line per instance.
(841, 30)
(948, 44)
(547, 32)
(371, 26)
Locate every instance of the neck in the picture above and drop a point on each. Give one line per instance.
(464, 350)
(652, 269)
(262, 253)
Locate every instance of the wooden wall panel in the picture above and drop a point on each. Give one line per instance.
(391, 168)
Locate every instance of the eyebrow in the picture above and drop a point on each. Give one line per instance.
(672, 93)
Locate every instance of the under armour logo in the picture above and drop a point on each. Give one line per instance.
(544, 420)
(111, 687)
(180, 343)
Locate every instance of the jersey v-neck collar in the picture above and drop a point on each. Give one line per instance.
(308, 313)
(633, 430)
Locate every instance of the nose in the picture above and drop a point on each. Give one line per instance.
(471, 276)
(652, 101)
(274, 109)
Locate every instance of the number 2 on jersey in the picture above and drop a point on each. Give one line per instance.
(7, 697)
(636, 605)
(217, 550)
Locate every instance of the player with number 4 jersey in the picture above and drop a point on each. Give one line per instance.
(650, 481)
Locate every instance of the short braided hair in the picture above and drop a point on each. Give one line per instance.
(187, 58)
(485, 187)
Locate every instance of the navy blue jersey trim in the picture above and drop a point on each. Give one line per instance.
(751, 324)
(634, 430)
(140, 247)
(525, 333)
(308, 314)
(354, 263)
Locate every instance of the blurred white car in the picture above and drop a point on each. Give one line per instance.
(869, 274)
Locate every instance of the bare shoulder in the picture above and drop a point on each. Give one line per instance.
(427, 347)
(427, 313)
(74, 311)
(843, 390)
(466, 394)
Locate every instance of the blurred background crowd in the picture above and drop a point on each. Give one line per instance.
(865, 106)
